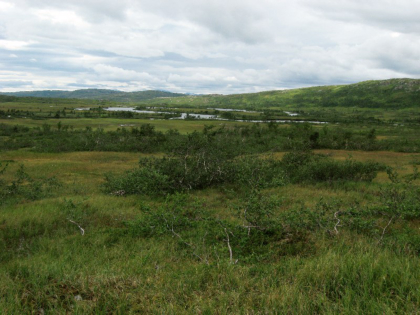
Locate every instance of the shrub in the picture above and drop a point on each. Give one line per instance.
(199, 170)
(255, 172)
(308, 167)
(142, 181)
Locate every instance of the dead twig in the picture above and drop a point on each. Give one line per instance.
(249, 227)
(82, 231)
(337, 224)
(229, 247)
(228, 243)
(384, 229)
(338, 221)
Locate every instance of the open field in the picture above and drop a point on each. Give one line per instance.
(128, 215)
(48, 265)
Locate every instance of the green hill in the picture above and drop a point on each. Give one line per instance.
(393, 93)
(390, 94)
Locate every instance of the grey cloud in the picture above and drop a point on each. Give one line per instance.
(399, 54)
(14, 84)
(219, 46)
(402, 16)
(95, 11)
(234, 20)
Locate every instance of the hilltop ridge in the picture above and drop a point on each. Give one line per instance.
(391, 93)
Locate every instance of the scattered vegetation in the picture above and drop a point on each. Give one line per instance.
(235, 218)
(23, 186)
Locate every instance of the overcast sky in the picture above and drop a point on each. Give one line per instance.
(205, 46)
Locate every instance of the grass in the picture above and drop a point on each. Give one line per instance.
(49, 266)
(142, 276)
(143, 254)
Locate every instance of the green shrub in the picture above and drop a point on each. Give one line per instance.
(196, 171)
(255, 172)
(305, 166)
(142, 181)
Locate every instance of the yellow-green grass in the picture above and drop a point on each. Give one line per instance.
(389, 158)
(362, 193)
(52, 105)
(85, 170)
(143, 276)
(403, 163)
(33, 107)
(82, 174)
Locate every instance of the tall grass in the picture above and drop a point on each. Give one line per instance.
(147, 254)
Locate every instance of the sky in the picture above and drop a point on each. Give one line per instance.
(202, 46)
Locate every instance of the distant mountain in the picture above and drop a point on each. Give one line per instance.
(392, 93)
(97, 94)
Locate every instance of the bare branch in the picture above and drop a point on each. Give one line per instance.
(337, 224)
(384, 229)
(249, 227)
(230, 248)
(338, 221)
(228, 243)
(82, 231)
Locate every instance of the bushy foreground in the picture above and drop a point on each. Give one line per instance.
(178, 256)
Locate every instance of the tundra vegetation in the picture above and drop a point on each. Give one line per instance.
(124, 212)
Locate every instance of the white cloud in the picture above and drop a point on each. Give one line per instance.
(65, 17)
(13, 44)
(5, 6)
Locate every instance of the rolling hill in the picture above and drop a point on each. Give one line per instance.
(390, 94)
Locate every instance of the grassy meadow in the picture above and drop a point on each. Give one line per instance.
(127, 215)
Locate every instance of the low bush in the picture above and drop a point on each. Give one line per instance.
(160, 176)
(141, 181)
(205, 166)
(305, 166)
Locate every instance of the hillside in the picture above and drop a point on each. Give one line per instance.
(392, 94)
(389, 94)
